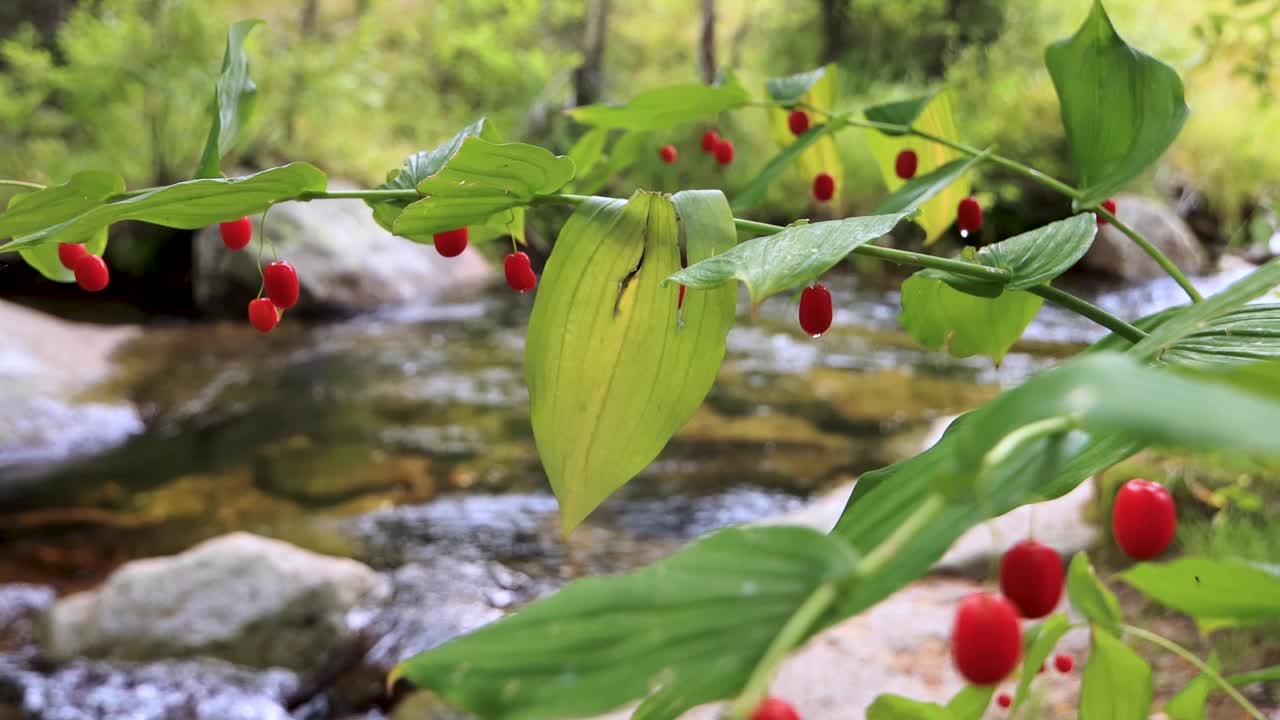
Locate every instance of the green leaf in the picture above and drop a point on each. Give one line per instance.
(45, 257)
(922, 188)
(791, 89)
(896, 707)
(1117, 682)
(1121, 107)
(800, 253)
(971, 702)
(1088, 595)
(938, 316)
(1189, 703)
(623, 154)
(1038, 642)
(588, 150)
(420, 166)
(482, 179)
(939, 212)
(691, 626)
(663, 108)
(899, 112)
(59, 203)
(187, 205)
(1245, 335)
(759, 187)
(820, 153)
(1216, 593)
(233, 100)
(613, 371)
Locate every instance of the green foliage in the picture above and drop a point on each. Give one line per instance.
(1217, 593)
(940, 317)
(899, 112)
(59, 203)
(791, 89)
(688, 629)
(666, 107)
(233, 101)
(818, 92)
(1190, 702)
(921, 188)
(1116, 683)
(1038, 642)
(1088, 595)
(968, 704)
(759, 187)
(1121, 108)
(45, 257)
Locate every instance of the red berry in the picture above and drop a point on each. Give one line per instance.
(1004, 700)
(668, 153)
(969, 215)
(237, 233)
(1110, 206)
(520, 275)
(724, 151)
(1143, 519)
(70, 253)
(91, 273)
(824, 186)
(798, 121)
(986, 640)
(815, 309)
(281, 283)
(1063, 662)
(710, 139)
(775, 709)
(451, 243)
(1031, 576)
(905, 164)
(263, 314)
(680, 301)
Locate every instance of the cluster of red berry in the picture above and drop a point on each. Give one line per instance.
(986, 639)
(712, 144)
(91, 270)
(516, 266)
(279, 279)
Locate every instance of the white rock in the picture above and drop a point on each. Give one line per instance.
(239, 597)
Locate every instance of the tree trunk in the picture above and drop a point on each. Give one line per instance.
(707, 58)
(835, 19)
(310, 17)
(588, 78)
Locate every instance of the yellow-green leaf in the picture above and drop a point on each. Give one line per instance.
(822, 153)
(940, 316)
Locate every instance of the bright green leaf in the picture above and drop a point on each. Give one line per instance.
(587, 151)
(759, 187)
(1216, 593)
(480, 180)
(612, 371)
(921, 188)
(188, 205)
(800, 253)
(899, 112)
(1089, 596)
(663, 108)
(938, 316)
(1245, 335)
(1189, 703)
(1038, 642)
(624, 153)
(791, 89)
(59, 203)
(820, 153)
(1121, 108)
(1117, 682)
(44, 258)
(971, 702)
(897, 707)
(691, 626)
(233, 100)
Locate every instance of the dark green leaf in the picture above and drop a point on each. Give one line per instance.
(971, 702)
(1038, 642)
(920, 189)
(1121, 108)
(800, 253)
(1216, 593)
(789, 90)
(897, 707)
(1042, 254)
(939, 316)
(612, 371)
(664, 108)
(233, 100)
(480, 180)
(1116, 683)
(1089, 596)
(188, 205)
(59, 203)
(759, 187)
(692, 626)
(1190, 702)
(901, 112)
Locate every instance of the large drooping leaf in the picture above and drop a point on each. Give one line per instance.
(478, 181)
(613, 371)
(1116, 683)
(1121, 107)
(820, 152)
(688, 629)
(939, 316)
(187, 205)
(666, 107)
(233, 100)
(422, 165)
(921, 188)
(759, 187)
(1038, 642)
(1089, 596)
(1216, 593)
(935, 117)
(59, 203)
(797, 255)
(899, 112)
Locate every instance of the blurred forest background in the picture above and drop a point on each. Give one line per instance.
(356, 85)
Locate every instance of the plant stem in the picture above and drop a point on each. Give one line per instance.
(379, 194)
(1089, 310)
(1161, 259)
(22, 184)
(1031, 431)
(792, 634)
(925, 513)
(1203, 667)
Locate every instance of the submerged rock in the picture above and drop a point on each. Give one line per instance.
(240, 597)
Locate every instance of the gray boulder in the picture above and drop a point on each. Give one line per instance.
(346, 262)
(1113, 253)
(241, 598)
